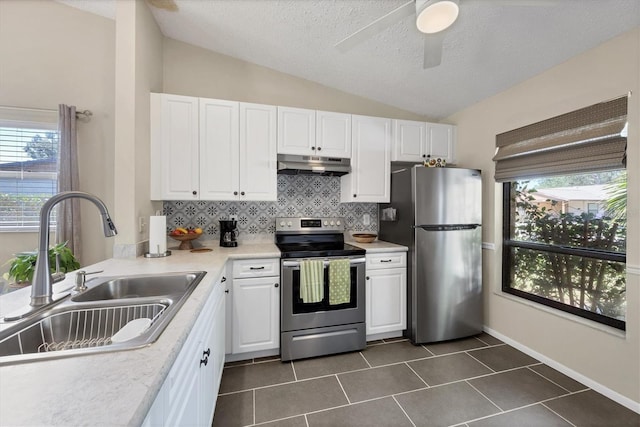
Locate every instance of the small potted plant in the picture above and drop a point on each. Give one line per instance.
(23, 265)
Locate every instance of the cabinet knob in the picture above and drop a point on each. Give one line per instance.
(424, 155)
(235, 193)
(224, 279)
(355, 195)
(319, 148)
(226, 291)
(276, 284)
(204, 361)
(367, 277)
(242, 193)
(428, 155)
(194, 192)
(313, 148)
(206, 353)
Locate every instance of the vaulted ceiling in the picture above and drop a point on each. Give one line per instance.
(493, 45)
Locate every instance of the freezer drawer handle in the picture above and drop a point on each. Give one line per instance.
(447, 227)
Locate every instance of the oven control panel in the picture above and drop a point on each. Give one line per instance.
(313, 225)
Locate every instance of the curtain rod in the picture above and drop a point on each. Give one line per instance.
(85, 114)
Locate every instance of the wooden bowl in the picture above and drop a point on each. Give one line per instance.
(364, 237)
(185, 240)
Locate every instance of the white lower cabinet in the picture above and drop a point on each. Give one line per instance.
(256, 305)
(386, 293)
(188, 395)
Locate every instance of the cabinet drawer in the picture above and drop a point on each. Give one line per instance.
(256, 268)
(386, 260)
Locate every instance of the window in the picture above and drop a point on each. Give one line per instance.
(569, 259)
(29, 144)
(564, 211)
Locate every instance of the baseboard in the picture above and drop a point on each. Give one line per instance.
(251, 355)
(384, 335)
(613, 395)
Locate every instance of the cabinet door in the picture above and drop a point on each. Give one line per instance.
(219, 149)
(409, 142)
(369, 180)
(386, 307)
(256, 313)
(441, 141)
(213, 353)
(228, 321)
(296, 131)
(258, 157)
(174, 147)
(333, 134)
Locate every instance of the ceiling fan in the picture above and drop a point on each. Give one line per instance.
(433, 17)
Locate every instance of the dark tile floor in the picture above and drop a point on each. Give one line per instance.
(474, 382)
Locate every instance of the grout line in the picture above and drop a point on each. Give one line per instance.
(551, 381)
(481, 393)
(418, 375)
(342, 388)
(306, 420)
(543, 404)
(365, 359)
(403, 411)
(295, 377)
(480, 362)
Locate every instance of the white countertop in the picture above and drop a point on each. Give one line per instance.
(117, 388)
(379, 246)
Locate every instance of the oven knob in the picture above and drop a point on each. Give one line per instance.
(326, 223)
(332, 223)
(337, 223)
(282, 223)
(289, 224)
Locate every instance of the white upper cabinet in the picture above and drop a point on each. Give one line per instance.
(219, 149)
(211, 149)
(409, 141)
(415, 141)
(333, 134)
(296, 131)
(369, 180)
(258, 155)
(314, 133)
(441, 141)
(174, 147)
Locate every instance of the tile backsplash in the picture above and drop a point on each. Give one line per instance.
(298, 196)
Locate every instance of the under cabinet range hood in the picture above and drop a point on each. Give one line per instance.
(289, 164)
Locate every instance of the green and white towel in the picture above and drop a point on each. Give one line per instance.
(339, 281)
(311, 280)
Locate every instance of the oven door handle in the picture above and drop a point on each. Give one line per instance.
(294, 264)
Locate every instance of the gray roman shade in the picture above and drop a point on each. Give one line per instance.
(590, 139)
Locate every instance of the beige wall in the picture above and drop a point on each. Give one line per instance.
(193, 71)
(603, 73)
(68, 59)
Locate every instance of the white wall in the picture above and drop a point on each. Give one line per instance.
(608, 71)
(52, 54)
(193, 71)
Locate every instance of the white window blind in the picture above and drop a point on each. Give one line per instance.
(29, 143)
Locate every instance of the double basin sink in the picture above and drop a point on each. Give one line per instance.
(116, 313)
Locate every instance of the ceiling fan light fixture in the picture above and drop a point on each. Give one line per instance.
(436, 15)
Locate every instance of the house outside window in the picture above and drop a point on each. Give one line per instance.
(29, 143)
(564, 211)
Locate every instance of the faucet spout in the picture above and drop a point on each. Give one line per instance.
(41, 285)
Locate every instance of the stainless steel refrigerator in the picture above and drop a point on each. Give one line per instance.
(437, 213)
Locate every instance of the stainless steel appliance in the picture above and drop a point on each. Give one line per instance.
(290, 164)
(309, 329)
(228, 233)
(437, 213)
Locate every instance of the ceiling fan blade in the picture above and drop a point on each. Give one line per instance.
(433, 49)
(169, 5)
(377, 26)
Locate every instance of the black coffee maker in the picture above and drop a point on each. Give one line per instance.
(228, 233)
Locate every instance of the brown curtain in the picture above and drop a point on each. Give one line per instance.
(68, 221)
(585, 140)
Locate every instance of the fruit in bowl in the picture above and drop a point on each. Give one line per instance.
(185, 236)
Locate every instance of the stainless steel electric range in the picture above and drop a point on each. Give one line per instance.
(309, 329)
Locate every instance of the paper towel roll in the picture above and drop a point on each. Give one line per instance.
(157, 234)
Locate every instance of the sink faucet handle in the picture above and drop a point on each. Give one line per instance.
(81, 277)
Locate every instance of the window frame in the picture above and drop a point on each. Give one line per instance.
(508, 243)
(44, 120)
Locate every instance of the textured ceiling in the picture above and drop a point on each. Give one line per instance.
(494, 45)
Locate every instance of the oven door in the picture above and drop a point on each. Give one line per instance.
(296, 315)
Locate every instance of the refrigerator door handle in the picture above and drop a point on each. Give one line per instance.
(447, 227)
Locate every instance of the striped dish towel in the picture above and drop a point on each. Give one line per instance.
(339, 281)
(311, 280)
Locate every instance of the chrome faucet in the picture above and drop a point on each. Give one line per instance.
(42, 283)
